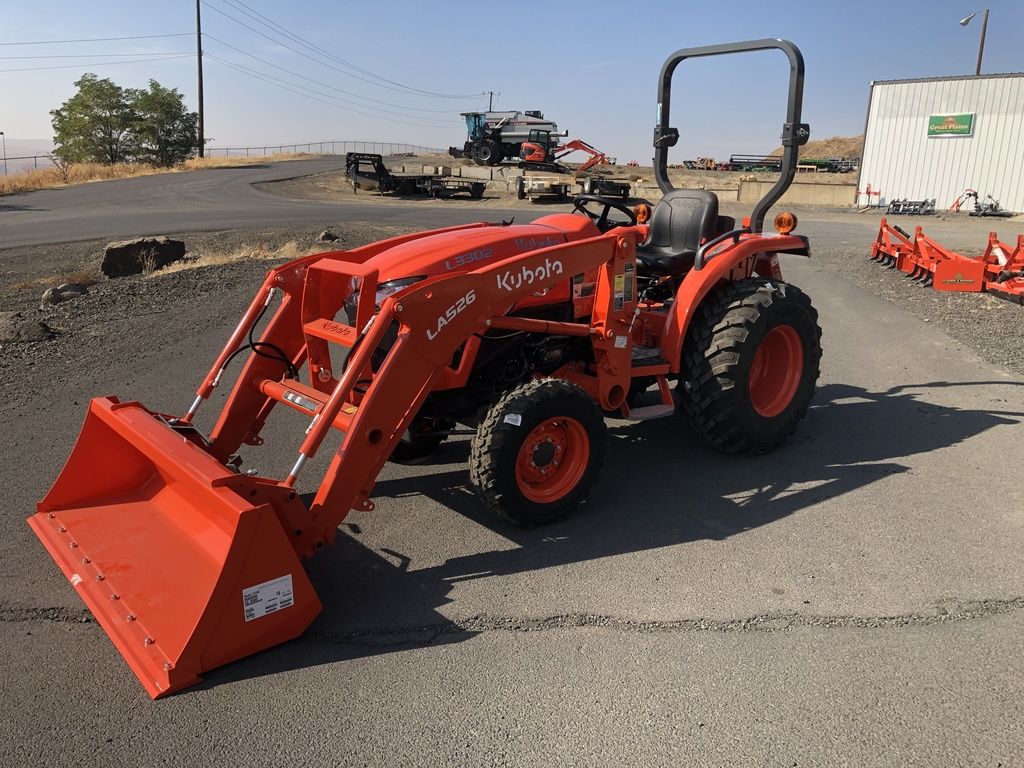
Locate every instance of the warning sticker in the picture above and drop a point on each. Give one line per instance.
(269, 597)
(620, 287)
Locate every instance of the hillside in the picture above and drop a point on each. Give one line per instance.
(837, 146)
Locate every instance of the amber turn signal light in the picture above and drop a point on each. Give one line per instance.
(642, 211)
(785, 223)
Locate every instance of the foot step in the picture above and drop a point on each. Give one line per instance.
(650, 412)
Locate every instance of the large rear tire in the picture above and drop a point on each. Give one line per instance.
(750, 364)
(537, 452)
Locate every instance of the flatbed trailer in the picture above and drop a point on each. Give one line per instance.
(539, 178)
(534, 184)
(755, 163)
(363, 168)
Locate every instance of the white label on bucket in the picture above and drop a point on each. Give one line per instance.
(269, 597)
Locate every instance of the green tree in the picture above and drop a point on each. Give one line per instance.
(165, 133)
(95, 124)
(105, 123)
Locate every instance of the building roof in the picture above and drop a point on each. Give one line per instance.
(947, 77)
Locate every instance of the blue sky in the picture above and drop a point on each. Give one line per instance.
(592, 67)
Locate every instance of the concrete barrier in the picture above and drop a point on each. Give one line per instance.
(653, 193)
(802, 193)
(477, 172)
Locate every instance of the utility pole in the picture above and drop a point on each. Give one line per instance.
(490, 100)
(4, 139)
(199, 69)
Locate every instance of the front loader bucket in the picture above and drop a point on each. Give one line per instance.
(182, 561)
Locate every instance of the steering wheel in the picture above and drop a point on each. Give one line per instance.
(601, 219)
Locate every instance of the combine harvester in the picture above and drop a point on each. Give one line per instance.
(999, 270)
(527, 333)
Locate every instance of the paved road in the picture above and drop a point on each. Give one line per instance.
(225, 198)
(856, 598)
(219, 198)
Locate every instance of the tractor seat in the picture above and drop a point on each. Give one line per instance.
(680, 223)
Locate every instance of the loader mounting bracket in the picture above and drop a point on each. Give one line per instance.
(795, 134)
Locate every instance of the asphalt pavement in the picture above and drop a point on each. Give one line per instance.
(855, 598)
(211, 199)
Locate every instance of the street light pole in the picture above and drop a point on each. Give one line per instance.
(981, 42)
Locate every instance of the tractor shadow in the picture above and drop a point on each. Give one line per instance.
(660, 487)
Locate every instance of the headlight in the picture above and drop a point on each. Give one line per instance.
(383, 291)
(394, 286)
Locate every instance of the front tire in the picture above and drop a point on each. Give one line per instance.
(537, 452)
(750, 364)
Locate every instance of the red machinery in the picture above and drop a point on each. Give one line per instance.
(537, 153)
(999, 270)
(527, 333)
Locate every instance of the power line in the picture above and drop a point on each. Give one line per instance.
(270, 23)
(331, 87)
(91, 55)
(315, 60)
(167, 57)
(298, 90)
(97, 39)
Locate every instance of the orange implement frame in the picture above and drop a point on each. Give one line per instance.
(1000, 269)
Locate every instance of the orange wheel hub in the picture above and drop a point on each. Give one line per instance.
(552, 460)
(775, 371)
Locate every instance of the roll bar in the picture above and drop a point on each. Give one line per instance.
(794, 133)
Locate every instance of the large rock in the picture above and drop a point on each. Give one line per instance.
(144, 254)
(15, 327)
(62, 293)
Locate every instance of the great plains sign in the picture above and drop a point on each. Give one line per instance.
(951, 125)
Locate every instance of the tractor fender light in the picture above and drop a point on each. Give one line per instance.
(642, 211)
(785, 223)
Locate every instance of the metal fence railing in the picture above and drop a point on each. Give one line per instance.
(46, 162)
(309, 148)
(337, 147)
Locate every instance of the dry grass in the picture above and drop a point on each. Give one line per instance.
(220, 161)
(290, 250)
(80, 173)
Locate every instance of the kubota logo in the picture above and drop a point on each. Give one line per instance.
(511, 281)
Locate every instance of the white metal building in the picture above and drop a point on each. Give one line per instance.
(936, 136)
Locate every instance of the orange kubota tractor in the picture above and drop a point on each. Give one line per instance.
(529, 334)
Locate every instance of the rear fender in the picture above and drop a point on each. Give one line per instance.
(735, 261)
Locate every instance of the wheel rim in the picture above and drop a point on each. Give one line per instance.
(552, 460)
(776, 370)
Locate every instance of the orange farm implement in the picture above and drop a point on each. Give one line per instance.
(999, 270)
